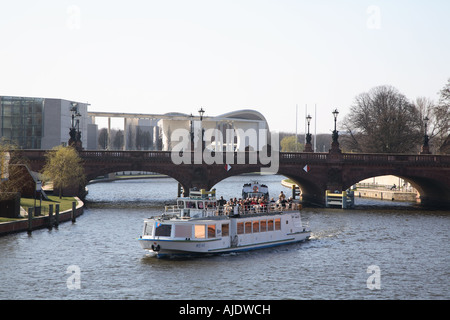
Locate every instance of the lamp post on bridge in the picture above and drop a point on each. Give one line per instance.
(335, 135)
(202, 112)
(425, 147)
(308, 147)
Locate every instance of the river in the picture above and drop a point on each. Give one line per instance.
(379, 250)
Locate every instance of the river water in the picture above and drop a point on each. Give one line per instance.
(379, 250)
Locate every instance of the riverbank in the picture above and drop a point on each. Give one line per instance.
(391, 195)
(39, 222)
(368, 193)
(128, 177)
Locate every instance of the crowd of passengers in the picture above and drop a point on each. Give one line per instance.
(255, 204)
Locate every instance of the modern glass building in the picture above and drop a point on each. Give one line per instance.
(21, 121)
(43, 123)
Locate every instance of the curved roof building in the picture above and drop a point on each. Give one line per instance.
(235, 130)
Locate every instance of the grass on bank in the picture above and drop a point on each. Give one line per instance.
(64, 204)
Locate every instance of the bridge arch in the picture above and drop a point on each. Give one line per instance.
(311, 188)
(430, 186)
(92, 174)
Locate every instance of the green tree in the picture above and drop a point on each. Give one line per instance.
(64, 168)
(289, 144)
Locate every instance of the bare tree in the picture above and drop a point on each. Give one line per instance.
(12, 179)
(103, 138)
(118, 140)
(442, 116)
(382, 120)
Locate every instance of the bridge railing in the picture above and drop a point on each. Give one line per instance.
(284, 157)
(402, 158)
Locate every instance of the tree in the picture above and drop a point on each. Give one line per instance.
(289, 144)
(12, 179)
(118, 140)
(64, 168)
(103, 138)
(442, 115)
(382, 120)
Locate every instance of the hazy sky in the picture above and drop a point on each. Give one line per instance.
(224, 55)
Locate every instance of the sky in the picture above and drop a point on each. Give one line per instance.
(283, 58)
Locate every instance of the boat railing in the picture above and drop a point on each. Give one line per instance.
(172, 209)
(230, 210)
(257, 209)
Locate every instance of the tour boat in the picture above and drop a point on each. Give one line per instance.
(254, 189)
(197, 225)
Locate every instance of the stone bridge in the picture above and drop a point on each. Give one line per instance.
(313, 172)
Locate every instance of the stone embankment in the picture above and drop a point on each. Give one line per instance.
(40, 222)
(376, 193)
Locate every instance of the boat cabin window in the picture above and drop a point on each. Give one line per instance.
(190, 205)
(183, 231)
(263, 225)
(225, 229)
(211, 230)
(278, 224)
(270, 225)
(255, 226)
(248, 227)
(240, 228)
(148, 229)
(211, 205)
(199, 231)
(163, 230)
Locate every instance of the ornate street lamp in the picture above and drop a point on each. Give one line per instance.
(335, 132)
(425, 137)
(191, 123)
(308, 147)
(425, 146)
(202, 112)
(335, 143)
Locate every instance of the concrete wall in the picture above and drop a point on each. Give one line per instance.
(58, 120)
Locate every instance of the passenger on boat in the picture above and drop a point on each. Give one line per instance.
(220, 204)
(228, 208)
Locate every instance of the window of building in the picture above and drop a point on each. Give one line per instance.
(21, 121)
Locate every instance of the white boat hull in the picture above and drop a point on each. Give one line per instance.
(230, 235)
(168, 247)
